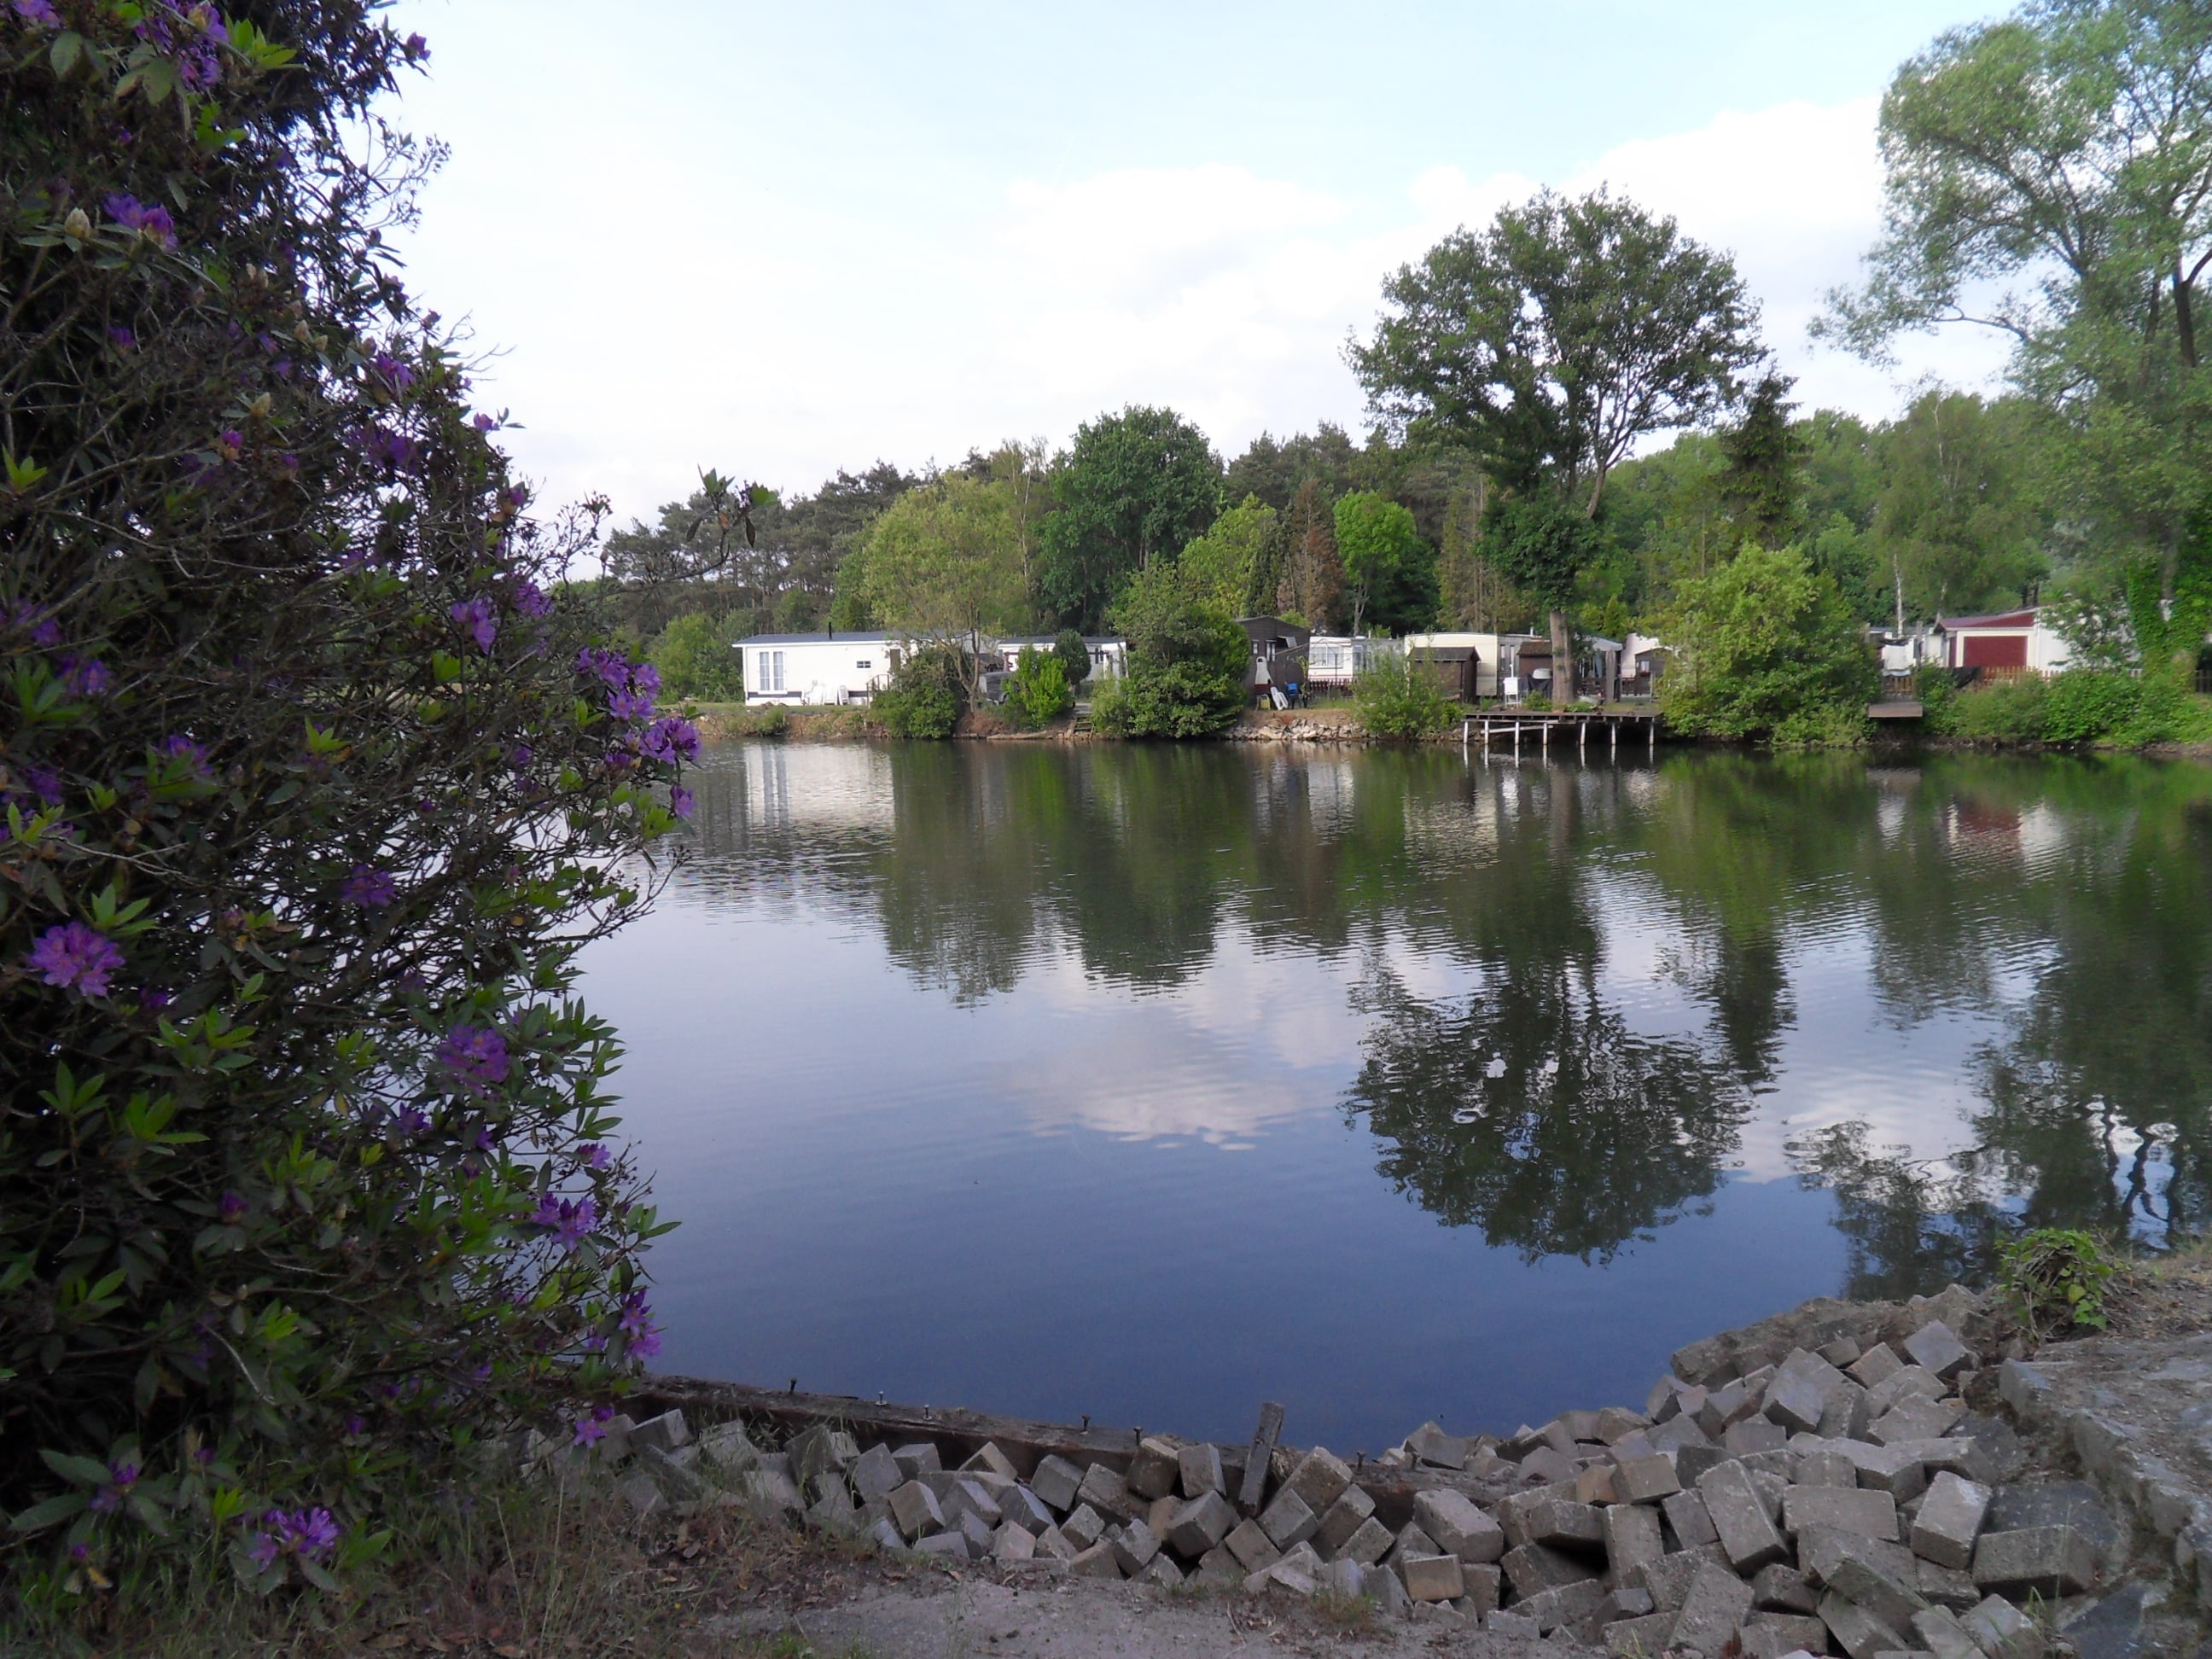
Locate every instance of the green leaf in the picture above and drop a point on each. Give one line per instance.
(39, 1516)
(67, 50)
(80, 1471)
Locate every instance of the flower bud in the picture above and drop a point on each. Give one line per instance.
(76, 227)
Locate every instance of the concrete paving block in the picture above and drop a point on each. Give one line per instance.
(1754, 1434)
(642, 1493)
(1342, 1519)
(988, 1459)
(885, 1534)
(875, 1473)
(1891, 1598)
(1965, 1456)
(1160, 1514)
(2053, 1503)
(665, 1432)
(1645, 1480)
(1639, 1638)
(1857, 1631)
(1595, 1484)
(1616, 1423)
(1935, 1347)
(1846, 1411)
(1218, 1569)
(980, 1537)
(1692, 1523)
(1432, 1577)
(1163, 1573)
(1338, 1578)
(1793, 1400)
(1564, 1524)
(1507, 1624)
(1875, 1366)
(1712, 1612)
(1104, 1490)
(1251, 1546)
(1568, 1605)
(1916, 1418)
(1485, 1586)
(2048, 1560)
(1533, 1567)
(1012, 1543)
(919, 1457)
(1084, 1528)
(1727, 1404)
(1632, 1540)
(1740, 1516)
(768, 1491)
(1459, 1527)
(1367, 1546)
(1678, 1432)
(1546, 1464)
(1200, 1524)
(1820, 1549)
(1780, 1587)
(915, 1511)
(1097, 1562)
(1691, 1463)
(1947, 1587)
(1939, 1631)
(1776, 1635)
(1155, 1469)
(1057, 1481)
(974, 1497)
(1907, 1380)
(1320, 1478)
(1998, 1444)
(1628, 1601)
(1949, 1519)
(1896, 1469)
(1823, 1468)
(1668, 1578)
(1850, 1509)
(954, 1545)
(1289, 1520)
(1054, 1543)
(1198, 1471)
(1386, 1590)
(1303, 1558)
(1134, 1546)
(1843, 1352)
(1022, 1509)
(1580, 1424)
(1411, 1540)
(1430, 1444)
(2002, 1631)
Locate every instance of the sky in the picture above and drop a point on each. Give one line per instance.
(778, 240)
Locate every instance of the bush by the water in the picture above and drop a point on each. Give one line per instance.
(314, 785)
(1395, 697)
(925, 696)
(1037, 692)
(1765, 647)
(2103, 706)
(1186, 666)
(696, 657)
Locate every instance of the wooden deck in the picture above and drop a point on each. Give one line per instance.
(1578, 726)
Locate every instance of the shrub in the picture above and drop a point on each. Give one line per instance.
(1074, 656)
(1036, 691)
(1398, 698)
(312, 791)
(2009, 711)
(1826, 726)
(1186, 669)
(1762, 639)
(694, 659)
(2053, 1277)
(925, 696)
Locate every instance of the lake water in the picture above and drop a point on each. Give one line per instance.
(1150, 1083)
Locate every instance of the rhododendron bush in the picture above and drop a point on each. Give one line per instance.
(314, 781)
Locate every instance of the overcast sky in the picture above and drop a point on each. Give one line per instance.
(781, 239)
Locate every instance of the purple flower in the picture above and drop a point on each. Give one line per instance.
(589, 1430)
(355, 1423)
(153, 1001)
(75, 957)
(307, 1532)
(593, 1155)
(410, 1121)
(317, 1533)
(631, 705)
(681, 801)
(478, 619)
(671, 735)
(178, 747)
(370, 888)
(392, 451)
(121, 339)
(570, 1221)
(41, 12)
(476, 1055)
(43, 781)
(485, 423)
(204, 1457)
(530, 599)
(644, 1336)
(230, 1205)
(396, 374)
(85, 677)
(415, 49)
(610, 667)
(152, 222)
(121, 1477)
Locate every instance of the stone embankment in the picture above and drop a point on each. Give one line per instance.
(1843, 1479)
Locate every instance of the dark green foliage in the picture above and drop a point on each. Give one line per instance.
(1185, 669)
(1397, 697)
(1133, 487)
(1075, 657)
(312, 794)
(1761, 643)
(1037, 692)
(2085, 704)
(2053, 1279)
(1540, 543)
(1273, 471)
(1392, 572)
(697, 658)
(1760, 483)
(927, 694)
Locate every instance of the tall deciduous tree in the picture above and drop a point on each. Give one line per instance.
(1133, 486)
(1550, 343)
(1313, 573)
(944, 564)
(1217, 569)
(1952, 529)
(2049, 175)
(1392, 571)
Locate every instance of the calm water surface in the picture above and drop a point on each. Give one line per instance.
(1150, 1083)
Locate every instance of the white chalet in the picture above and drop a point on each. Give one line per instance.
(819, 668)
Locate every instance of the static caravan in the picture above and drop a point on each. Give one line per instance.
(1334, 660)
(1470, 667)
(1109, 658)
(817, 668)
(2004, 646)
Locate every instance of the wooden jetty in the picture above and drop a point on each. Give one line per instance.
(1573, 725)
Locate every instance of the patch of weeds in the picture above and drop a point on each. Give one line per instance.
(1341, 1612)
(2054, 1278)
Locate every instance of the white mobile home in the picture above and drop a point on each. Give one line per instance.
(819, 668)
(1109, 657)
(1470, 666)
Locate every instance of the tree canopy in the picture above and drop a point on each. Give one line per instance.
(1133, 486)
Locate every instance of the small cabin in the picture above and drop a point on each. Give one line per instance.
(1276, 671)
(1468, 667)
(2007, 646)
(789, 669)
